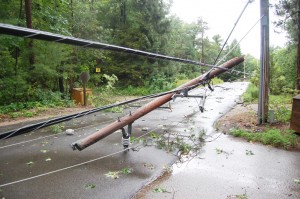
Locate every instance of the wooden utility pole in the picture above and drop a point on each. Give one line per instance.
(263, 103)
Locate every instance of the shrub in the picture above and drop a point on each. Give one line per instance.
(251, 94)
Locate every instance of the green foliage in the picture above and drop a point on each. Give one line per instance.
(30, 163)
(38, 99)
(29, 114)
(283, 70)
(280, 104)
(216, 81)
(113, 174)
(90, 186)
(143, 25)
(249, 152)
(286, 11)
(134, 91)
(160, 190)
(127, 170)
(275, 137)
(56, 128)
(117, 109)
(251, 94)
(116, 174)
(282, 107)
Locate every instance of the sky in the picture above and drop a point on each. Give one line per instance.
(221, 16)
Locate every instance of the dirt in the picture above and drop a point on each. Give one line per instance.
(244, 117)
(40, 114)
(6, 120)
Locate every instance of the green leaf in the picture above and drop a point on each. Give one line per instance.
(113, 174)
(44, 151)
(127, 171)
(219, 151)
(159, 190)
(30, 163)
(249, 152)
(90, 186)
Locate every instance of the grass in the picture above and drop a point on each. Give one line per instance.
(216, 81)
(56, 128)
(32, 108)
(284, 139)
(251, 94)
(280, 104)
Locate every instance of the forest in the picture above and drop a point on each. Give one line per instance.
(34, 71)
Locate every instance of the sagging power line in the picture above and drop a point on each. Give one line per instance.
(47, 36)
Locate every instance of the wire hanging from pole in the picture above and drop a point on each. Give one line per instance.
(250, 1)
(239, 41)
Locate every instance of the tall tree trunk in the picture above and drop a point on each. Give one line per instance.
(29, 25)
(123, 12)
(298, 50)
(61, 85)
(21, 8)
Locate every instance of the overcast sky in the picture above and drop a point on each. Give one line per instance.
(221, 16)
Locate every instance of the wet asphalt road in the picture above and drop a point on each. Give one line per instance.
(73, 179)
(241, 170)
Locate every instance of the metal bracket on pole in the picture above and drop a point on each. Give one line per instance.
(184, 93)
(202, 102)
(126, 136)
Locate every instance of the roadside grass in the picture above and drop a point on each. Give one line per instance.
(284, 139)
(278, 135)
(251, 94)
(33, 108)
(280, 104)
(101, 96)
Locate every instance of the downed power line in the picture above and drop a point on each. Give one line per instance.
(129, 119)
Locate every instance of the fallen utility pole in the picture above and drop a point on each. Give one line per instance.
(129, 119)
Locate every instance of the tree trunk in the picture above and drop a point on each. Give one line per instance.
(61, 85)
(29, 25)
(20, 11)
(123, 12)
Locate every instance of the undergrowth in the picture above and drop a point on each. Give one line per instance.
(280, 104)
(284, 139)
(19, 109)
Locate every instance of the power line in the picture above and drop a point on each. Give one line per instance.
(48, 136)
(250, 1)
(29, 128)
(80, 164)
(47, 36)
(239, 41)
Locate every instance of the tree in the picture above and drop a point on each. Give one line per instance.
(289, 11)
(29, 25)
(233, 50)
